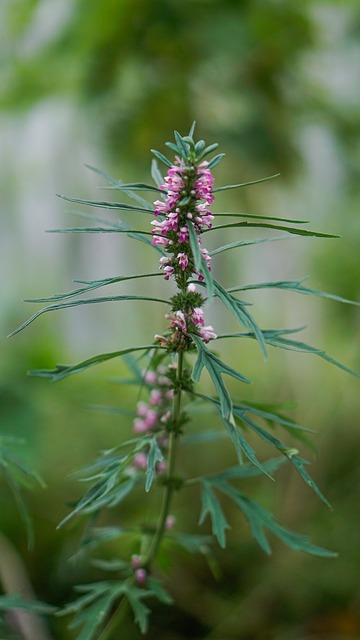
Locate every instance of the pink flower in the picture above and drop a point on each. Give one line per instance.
(207, 333)
(155, 396)
(140, 461)
(139, 426)
(183, 260)
(198, 316)
(170, 522)
(140, 576)
(183, 235)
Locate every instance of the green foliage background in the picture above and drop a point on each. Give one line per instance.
(277, 85)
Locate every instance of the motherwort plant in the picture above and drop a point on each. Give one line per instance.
(168, 369)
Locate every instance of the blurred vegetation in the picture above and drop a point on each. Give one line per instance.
(277, 85)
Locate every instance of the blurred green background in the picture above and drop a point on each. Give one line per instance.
(277, 84)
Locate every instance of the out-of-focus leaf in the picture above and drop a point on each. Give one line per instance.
(211, 506)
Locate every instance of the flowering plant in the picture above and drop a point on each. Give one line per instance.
(168, 372)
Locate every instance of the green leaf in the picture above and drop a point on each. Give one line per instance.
(206, 152)
(244, 243)
(77, 303)
(140, 610)
(92, 608)
(154, 456)
(259, 217)
(161, 157)
(129, 231)
(192, 543)
(275, 338)
(265, 225)
(215, 161)
(290, 453)
(102, 204)
(260, 518)
(237, 307)
(247, 470)
(119, 183)
(155, 173)
(183, 146)
(15, 601)
(158, 590)
(62, 371)
(210, 506)
(199, 260)
(90, 285)
(245, 184)
(295, 286)
(134, 186)
(215, 368)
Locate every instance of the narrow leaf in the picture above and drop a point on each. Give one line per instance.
(76, 303)
(265, 225)
(90, 285)
(199, 260)
(210, 506)
(246, 184)
(102, 204)
(62, 371)
(161, 157)
(237, 307)
(154, 456)
(295, 286)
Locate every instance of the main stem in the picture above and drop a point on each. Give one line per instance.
(169, 488)
(114, 622)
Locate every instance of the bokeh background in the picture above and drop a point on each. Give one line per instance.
(277, 85)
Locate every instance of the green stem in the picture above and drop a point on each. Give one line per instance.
(114, 622)
(169, 488)
(113, 625)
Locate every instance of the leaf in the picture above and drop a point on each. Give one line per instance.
(102, 204)
(92, 608)
(192, 543)
(90, 285)
(295, 286)
(199, 260)
(62, 371)
(77, 303)
(158, 590)
(134, 186)
(247, 470)
(207, 150)
(210, 506)
(215, 161)
(155, 173)
(154, 456)
(256, 216)
(260, 518)
(215, 368)
(140, 610)
(237, 307)
(118, 183)
(128, 231)
(265, 225)
(161, 157)
(245, 184)
(290, 454)
(275, 338)
(244, 243)
(15, 601)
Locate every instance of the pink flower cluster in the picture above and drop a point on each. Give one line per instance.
(180, 321)
(152, 416)
(185, 188)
